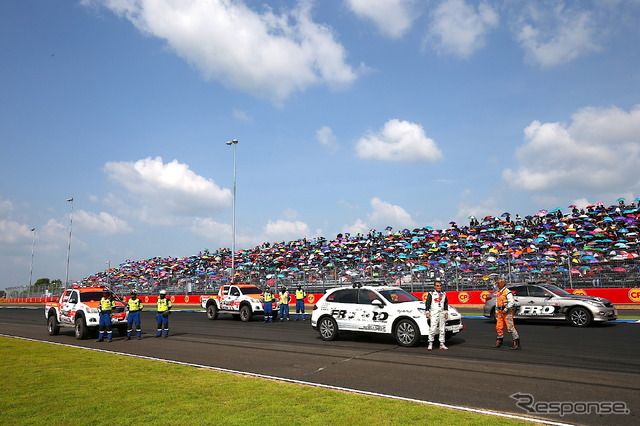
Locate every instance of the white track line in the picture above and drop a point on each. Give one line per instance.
(300, 382)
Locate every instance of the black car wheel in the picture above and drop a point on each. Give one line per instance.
(246, 313)
(81, 330)
(579, 317)
(52, 326)
(328, 328)
(212, 311)
(406, 333)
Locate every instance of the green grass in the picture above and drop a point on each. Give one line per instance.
(56, 385)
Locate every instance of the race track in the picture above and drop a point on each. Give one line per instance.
(558, 362)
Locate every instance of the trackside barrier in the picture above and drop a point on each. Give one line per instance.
(615, 295)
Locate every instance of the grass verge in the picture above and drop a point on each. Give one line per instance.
(56, 385)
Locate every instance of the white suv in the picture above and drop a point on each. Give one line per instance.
(376, 309)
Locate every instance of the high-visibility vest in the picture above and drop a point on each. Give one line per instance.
(106, 304)
(135, 305)
(268, 297)
(300, 294)
(284, 297)
(163, 304)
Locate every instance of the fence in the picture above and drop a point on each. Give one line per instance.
(615, 274)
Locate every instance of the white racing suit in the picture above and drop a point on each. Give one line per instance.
(437, 306)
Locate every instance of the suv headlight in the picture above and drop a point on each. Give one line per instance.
(595, 303)
(93, 310)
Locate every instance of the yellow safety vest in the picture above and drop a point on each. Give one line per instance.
(135, 305)
(268, 297)
(300, 294)
(163, 304)
(107, 304)
(284, 297)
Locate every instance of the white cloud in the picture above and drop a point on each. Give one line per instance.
(102, 223)
(359, 226)
(459, 29)
(399, 141)
(392, 17)
(161, 190)
(385, 214)
(599, 150)
(286, 230)
(269, 55)
(12, 232)
(552, 34)
(325, 136)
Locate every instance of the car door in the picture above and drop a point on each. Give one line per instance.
(370, 316)
(68, 308)
(343, 306)
(535, 304)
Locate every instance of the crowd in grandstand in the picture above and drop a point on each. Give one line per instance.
(575, 241)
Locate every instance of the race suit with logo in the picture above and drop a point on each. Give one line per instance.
(437, 306)
(504, 313)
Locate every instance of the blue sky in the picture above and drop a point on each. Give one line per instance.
(351, 115)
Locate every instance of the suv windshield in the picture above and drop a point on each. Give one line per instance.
(250, 290)
(398, 296)
(93, 296)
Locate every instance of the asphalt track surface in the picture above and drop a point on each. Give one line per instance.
(558, 363)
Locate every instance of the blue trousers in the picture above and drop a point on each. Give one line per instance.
(163, 323)
(300, 309)
(133, 318)
(104, 325)
(284, 311)
(268, 311)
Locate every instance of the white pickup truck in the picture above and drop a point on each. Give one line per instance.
(78, 307)
(243, 301)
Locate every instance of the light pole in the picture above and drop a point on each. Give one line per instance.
(233, 142)
(106, 275)
(70, 200)
(457, 270)
(33, 247)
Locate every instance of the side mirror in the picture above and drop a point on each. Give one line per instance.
(377, 302)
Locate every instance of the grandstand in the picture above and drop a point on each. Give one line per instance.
(596, 246)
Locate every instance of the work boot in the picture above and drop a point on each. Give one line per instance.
(498, 342)
(100, 340)
(128, 338)
(516, 344)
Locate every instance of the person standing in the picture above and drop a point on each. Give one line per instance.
(162, 317)
(284, 304)
(135, 306)
(437, 307)
(107, 305)
(504, 315)
(300, 295)
(268, 305)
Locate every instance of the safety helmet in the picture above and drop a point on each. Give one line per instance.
(163, 291)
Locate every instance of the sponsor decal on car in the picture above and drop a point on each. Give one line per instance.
(532, 310)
